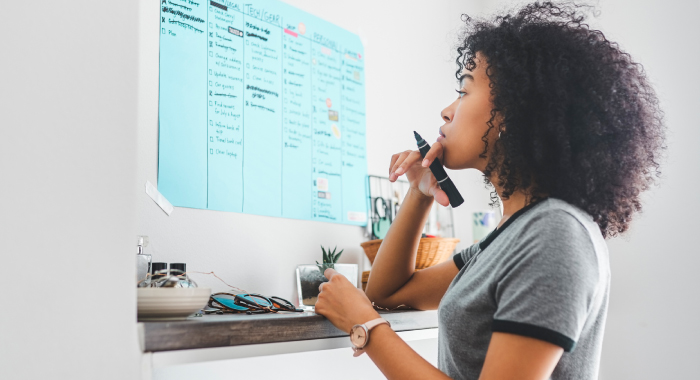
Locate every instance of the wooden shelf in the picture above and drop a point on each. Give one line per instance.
(240, 329)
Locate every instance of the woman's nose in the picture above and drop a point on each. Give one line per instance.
(447, 114)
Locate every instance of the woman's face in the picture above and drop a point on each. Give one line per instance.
(465, 121)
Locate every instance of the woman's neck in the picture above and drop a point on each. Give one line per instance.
(515, 202)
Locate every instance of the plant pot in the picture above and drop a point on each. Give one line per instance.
(309, 278)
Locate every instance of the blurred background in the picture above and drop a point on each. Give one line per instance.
(81, 80)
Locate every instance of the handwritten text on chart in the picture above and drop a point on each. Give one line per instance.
(259, 104)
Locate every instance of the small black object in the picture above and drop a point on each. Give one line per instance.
(156, 267)
(441, 176)
(180, 268)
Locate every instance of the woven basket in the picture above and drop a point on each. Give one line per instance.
(431, 251)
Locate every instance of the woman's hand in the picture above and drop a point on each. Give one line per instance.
(419, 175)
(342, 303)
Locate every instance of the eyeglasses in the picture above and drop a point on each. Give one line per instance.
(228, 303)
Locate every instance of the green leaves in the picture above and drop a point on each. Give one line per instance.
(329, 258)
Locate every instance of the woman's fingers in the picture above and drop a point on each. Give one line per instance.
(435, 151)
(399, 160)
(330, 272)
(402, 162)
(439, 195)
(411, 159)
(394, 158)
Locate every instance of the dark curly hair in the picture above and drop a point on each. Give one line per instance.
(578, 119)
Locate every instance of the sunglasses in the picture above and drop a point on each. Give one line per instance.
(228, 303)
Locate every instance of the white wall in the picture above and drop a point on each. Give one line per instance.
(71, 159)
(410, 79)
(67, 168)
(652, 330)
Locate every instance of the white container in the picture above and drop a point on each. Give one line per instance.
(309, 277)
(170, 303)
(143, 260)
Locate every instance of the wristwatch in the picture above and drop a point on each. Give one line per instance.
(359, 335)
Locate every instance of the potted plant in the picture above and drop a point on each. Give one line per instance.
(329, 259)
(310, 277)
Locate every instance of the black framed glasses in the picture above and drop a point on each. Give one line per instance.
(250, 303)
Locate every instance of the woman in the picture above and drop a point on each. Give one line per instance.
(568, 131)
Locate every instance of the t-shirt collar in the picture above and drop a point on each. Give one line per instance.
(494, 234)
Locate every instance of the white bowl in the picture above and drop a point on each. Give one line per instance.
(170, 303)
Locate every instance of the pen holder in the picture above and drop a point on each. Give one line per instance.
(431, 251)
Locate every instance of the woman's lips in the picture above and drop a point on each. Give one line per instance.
(441, 135)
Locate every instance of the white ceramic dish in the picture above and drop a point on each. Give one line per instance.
(170, 303)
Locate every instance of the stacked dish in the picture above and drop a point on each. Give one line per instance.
(170, 303)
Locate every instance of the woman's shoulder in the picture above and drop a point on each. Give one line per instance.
(557, 214)
(562, 232)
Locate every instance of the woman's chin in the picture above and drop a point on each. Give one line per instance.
(459, 165)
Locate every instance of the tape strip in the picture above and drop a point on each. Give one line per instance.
(158, 198)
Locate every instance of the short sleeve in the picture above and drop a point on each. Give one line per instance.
(462, 257)
(545, 291)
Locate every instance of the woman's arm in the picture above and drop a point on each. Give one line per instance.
(512, 357)
(345, 306)
(509, 357)
(396, 359)
(393, 280)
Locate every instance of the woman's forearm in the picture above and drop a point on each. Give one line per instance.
(396, 359)
(396, 259)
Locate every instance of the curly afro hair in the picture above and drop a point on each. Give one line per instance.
(578, 119)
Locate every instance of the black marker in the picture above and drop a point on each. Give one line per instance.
(440, 175)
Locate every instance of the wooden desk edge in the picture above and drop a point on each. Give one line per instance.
(236, 330)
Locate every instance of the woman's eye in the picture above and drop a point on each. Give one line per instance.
(461, 93)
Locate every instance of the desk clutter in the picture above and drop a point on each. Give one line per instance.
(229, 303)
(384, 201)
(165, 291)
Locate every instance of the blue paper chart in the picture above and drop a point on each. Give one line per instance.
(261, 111)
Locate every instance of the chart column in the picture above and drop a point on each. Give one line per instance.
(182, 111)
(225, 108)
(262, 174)
(296, 133)
(327, 131)
(354, 142)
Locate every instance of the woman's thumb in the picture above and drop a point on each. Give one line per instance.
(439, 195)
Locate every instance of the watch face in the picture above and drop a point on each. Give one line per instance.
(358, 336)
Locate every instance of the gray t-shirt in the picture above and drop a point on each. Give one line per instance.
(544, 274)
